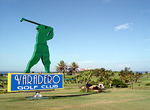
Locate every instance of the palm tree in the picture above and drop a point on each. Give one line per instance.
(137, 76)
(121, 74)
(125, 73)
(146, 73)
(131, 75)
(96, 72)
(74, 68)
(102, 71)
(62, 67)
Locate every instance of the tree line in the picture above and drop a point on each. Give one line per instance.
(107, 77)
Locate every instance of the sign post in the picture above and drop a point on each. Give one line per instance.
(18, 82)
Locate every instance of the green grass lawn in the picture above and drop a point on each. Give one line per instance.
(70, 98)
(110, 99)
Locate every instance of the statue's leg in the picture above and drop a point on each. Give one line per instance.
(45, 60)
(34, 60)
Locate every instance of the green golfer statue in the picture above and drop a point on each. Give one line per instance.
(41, 51)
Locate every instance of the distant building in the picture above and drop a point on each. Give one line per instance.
(83, 69)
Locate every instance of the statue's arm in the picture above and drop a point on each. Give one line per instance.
(50, 34)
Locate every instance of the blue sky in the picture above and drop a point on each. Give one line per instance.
(93, 33)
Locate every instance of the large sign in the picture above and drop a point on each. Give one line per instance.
(34, 81)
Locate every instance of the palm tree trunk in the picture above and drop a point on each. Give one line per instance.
(87, 87)
(77, 83)
(121, 77)
(76, 80)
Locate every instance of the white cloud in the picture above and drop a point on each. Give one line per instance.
(123, 27)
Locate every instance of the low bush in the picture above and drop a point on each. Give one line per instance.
(1, 86)
(91, 91)
(94, 83)
(148, 84)
(118, 83)
(3, 91)
(82, 90)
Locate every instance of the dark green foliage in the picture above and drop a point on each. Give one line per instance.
(91, 91)
(1, 86)
(137, 76)
(85, 78)
(102, 74)
(118, 83)
(82, 90)
(71, 77)
(148, 84)
(1, 83)
(3, 91)
(94, 83)
(107, 86)
(62, 67)
(69, 73)
(106, 83)
(127, 75)
(100, 79)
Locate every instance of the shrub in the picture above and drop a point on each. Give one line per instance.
(107, 86)
(1, 86)
(91, 91)
(106, 83)
(119, 83)
(69, 73)
(82, 90)
(3, 91)
(94, 83)
(130, 86)
(148, 84)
